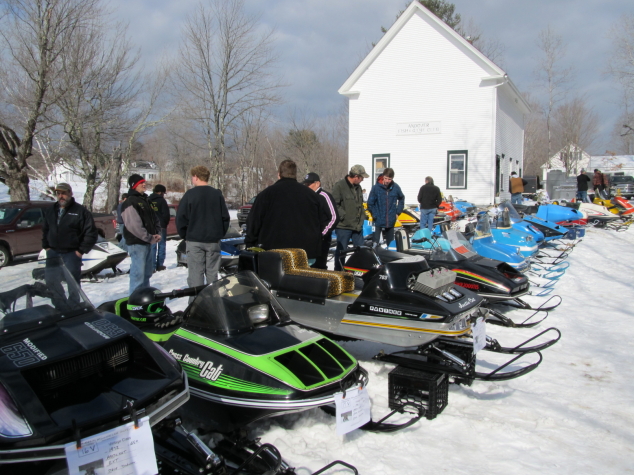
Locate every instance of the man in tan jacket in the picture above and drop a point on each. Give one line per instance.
(517, 188)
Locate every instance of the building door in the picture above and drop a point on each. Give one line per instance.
(379, 163)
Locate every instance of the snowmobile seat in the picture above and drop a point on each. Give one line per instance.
(299, 287)
(295, 262)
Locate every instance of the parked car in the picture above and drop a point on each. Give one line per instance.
(243, 211)
(624, 184)
(21, 228)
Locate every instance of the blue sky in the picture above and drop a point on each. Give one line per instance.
(321, 41)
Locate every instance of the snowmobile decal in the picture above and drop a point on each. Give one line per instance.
(388, 311)
(404, 328)
(105, 328)
(23, 353)
(490, 282)
(234, 384)
(355, 271)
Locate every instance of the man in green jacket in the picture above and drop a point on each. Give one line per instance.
(348, 197)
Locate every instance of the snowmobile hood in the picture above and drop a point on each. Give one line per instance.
(273, 361)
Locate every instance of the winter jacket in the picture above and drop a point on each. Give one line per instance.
(161, 208)
(76, 230)
(139, 219)
(429, 196)
(331, 209)
(597, 179)
(516, 185)
(582, 182)
(386, 203)
(349, 201)
(287, 214)
(606, 180)
(202, 215)
(119, 217)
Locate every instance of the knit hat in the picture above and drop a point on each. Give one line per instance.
(135, 180)
(159, 189)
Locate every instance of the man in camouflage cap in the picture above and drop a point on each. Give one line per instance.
(348, 197)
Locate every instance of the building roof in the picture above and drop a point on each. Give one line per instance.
(497, 75)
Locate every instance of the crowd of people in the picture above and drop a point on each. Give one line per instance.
(287, 214)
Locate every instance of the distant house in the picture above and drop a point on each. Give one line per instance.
(148, 170)
(577, 159)
(427, 103)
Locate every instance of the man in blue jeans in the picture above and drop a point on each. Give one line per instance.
(429, 198)
(348, 197)
(141, 230)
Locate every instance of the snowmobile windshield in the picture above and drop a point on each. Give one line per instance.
(513, 214)
(33, 296)
(234, 304)
(483, 229)
(503, 219)
(460, 250)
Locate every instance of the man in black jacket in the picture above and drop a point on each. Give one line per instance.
(287, 215)
(161, 208)
(202, 220)
(429, 198)
(582, 186)
(313, 182)
(141, 229)
(68, 232)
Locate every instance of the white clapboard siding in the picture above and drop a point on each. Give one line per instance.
(422, 71)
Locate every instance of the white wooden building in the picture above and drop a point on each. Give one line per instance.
(425, 102)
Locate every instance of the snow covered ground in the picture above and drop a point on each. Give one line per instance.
(573, 414)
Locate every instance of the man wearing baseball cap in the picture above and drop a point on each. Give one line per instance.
(348, 197)
(141, 229)
(312, 181)
(68, 232)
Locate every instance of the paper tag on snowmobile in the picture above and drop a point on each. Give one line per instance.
(352, 411)
(479, 332)
(119, 451)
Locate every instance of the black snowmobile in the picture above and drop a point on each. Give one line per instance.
(505, 289)
(403, 303)
(244, 356)
(70, 372)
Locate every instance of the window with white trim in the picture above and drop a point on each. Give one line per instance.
(457, 161)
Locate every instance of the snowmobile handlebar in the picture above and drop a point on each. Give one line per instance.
(178, 293)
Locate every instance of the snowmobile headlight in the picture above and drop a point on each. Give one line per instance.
(12, 422)
(529, 238)
(103, 246)
(258, 313)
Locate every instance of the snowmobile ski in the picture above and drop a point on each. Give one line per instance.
(515, 318)
(494, 346)
(533, 302)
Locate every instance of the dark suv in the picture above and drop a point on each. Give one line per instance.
(243, 211)
(624, 184)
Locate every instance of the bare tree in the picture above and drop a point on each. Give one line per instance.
(576, 127)
(34, 35)
(490, 47)
(99, 88)
(553, 77)
(535, 138)
(225, 70)
(621, 67)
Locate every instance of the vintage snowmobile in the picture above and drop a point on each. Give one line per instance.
(103, 255)
(245, 358)
(403, 303)
(504, 232)
(484, 244)
(68, 372)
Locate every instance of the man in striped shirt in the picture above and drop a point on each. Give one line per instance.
(313, 182)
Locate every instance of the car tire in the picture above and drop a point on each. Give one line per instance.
(5, 256)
